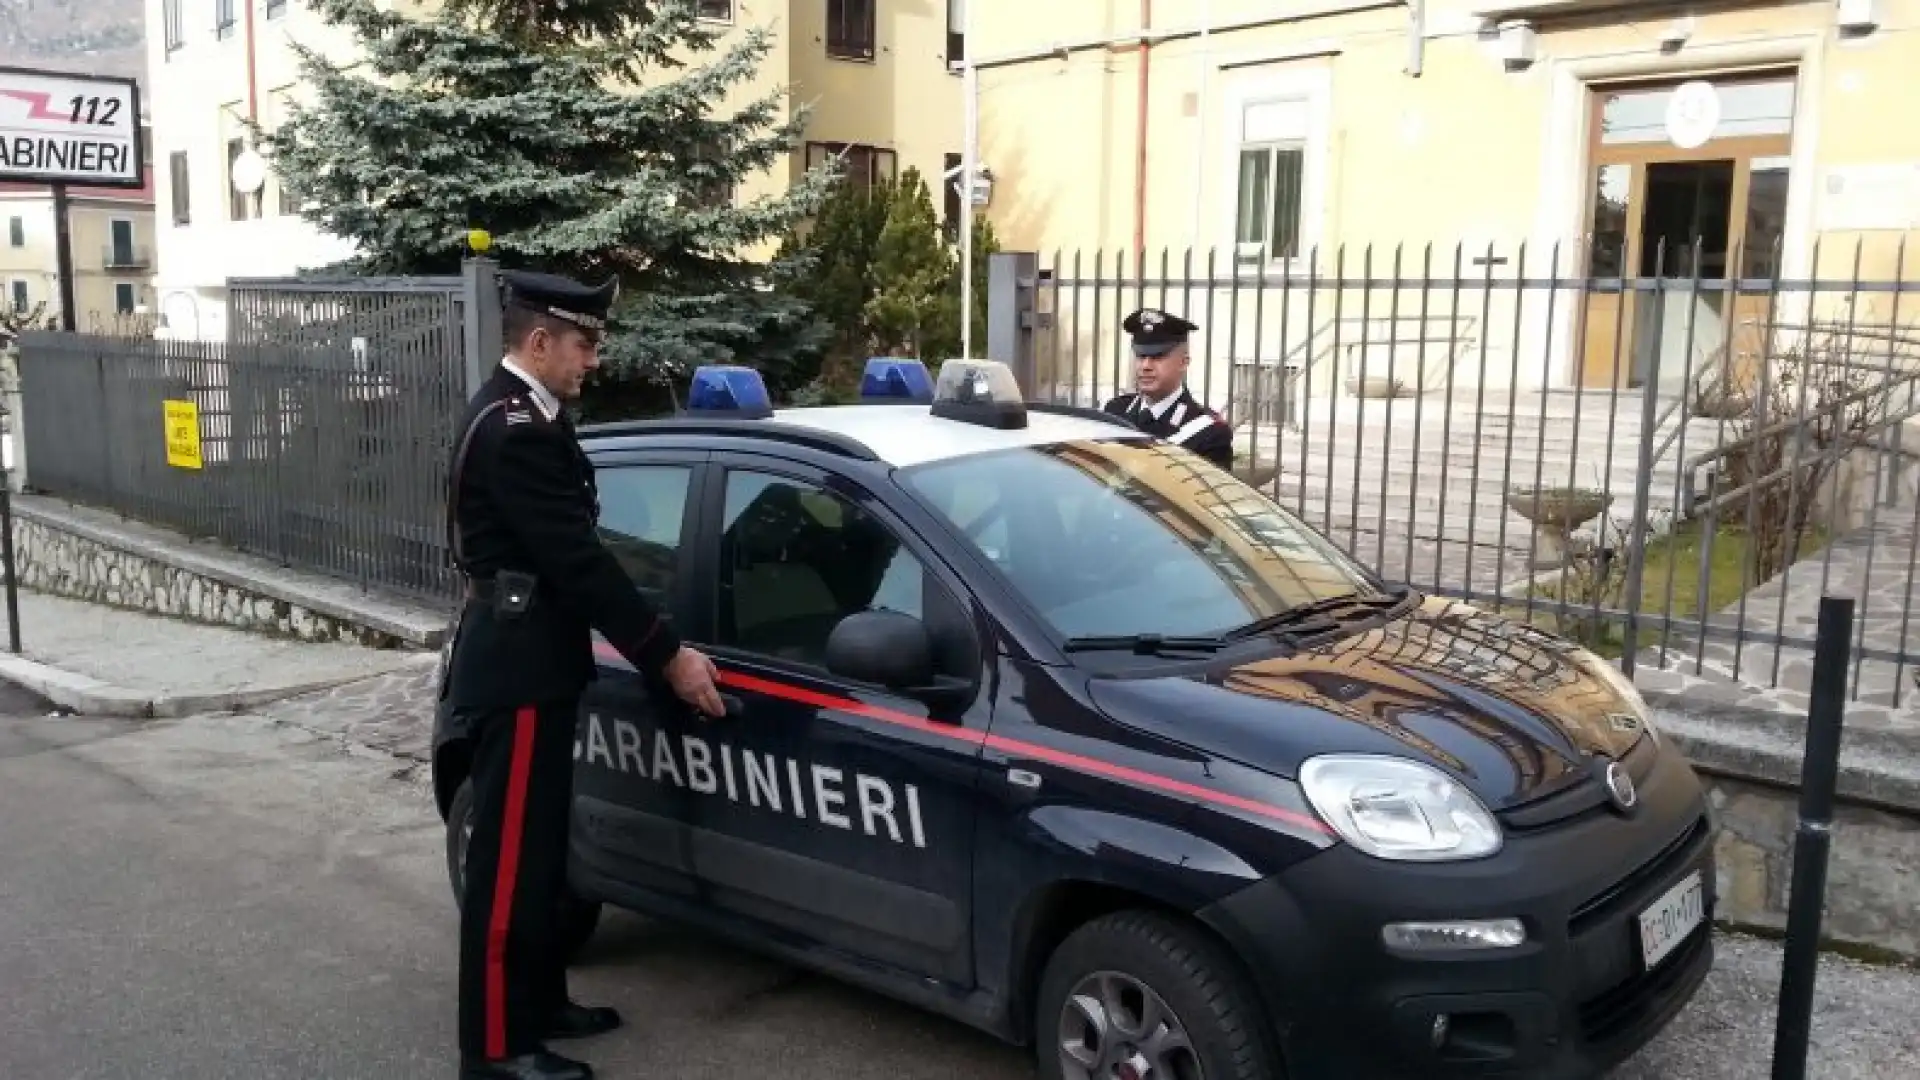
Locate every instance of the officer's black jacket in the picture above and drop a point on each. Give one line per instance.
(1188, 423)
(527, 501)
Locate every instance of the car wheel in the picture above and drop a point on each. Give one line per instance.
(579, 918)
(1139, 996)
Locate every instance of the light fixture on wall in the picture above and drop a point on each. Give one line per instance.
(1517, 44)
(1677, 33)
(1856, 18)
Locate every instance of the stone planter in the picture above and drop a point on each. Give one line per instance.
(1376, 386)
(1555, 513)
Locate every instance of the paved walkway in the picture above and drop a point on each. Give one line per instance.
(1874, 566)
(107, 660)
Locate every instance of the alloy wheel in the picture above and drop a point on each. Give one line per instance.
(1114, 1027)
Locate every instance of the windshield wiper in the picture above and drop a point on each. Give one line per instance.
(1145, 644)
(1314, 616)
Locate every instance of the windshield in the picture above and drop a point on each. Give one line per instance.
(1129, 538)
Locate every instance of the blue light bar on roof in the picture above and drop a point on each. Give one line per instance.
(724, 390)
(895, 378)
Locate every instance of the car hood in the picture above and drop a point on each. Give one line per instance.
(1512, 713)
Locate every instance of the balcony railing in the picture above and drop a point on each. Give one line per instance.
(115, 257)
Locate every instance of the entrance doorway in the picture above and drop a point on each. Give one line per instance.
(1674, 214)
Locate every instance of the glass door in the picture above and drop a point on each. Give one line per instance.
(1680, 215)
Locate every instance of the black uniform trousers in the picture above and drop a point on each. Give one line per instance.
(512, 974)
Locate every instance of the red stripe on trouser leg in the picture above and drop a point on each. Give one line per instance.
(512, 821)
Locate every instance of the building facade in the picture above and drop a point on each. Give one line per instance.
(1341, 138)
(110, 243)
(882, 93)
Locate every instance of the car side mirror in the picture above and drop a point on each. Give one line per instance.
(885, 648)
(889, 649)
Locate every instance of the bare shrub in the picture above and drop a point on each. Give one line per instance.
(1788, 424)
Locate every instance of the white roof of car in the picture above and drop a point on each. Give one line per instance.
(907, 435)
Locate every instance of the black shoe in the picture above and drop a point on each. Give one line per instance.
(573, 1021)
(539, 1065)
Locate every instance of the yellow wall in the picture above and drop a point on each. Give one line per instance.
(90, 229)
(1467, 154)
(905, 99)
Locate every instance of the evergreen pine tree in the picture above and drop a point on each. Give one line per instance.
(912, 265)
(580, 135)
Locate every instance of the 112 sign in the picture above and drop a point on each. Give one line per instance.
(94, 110)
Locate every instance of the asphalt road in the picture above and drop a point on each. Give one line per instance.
(218, 898)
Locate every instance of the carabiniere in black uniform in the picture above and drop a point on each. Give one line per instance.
(1161, 338)
(522, 524)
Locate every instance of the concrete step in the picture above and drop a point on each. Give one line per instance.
(1314, 492)
(1459, 480)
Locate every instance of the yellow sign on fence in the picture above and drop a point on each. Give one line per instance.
(183, 434)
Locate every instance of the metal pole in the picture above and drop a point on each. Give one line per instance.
(6, 547)
(969, 164)
(63, 256)
(1813, 839)
(1205, 55)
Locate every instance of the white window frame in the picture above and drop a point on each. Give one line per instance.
(1254, 87)
(19, 295)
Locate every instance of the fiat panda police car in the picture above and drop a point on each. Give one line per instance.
(1060, 730)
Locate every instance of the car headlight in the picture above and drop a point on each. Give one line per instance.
(1394, 808)
(1618, 682)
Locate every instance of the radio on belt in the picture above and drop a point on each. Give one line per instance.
(729, 391)
(980, 392)
(895, 379)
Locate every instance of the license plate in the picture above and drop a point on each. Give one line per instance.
(1668, 921)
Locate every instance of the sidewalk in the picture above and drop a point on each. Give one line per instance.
(107, 661)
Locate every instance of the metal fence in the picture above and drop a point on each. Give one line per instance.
(321, 428)
(1670, 468)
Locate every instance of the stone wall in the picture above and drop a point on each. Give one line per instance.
(68, 563)
(1873, 869)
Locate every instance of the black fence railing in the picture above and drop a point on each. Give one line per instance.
(327, 456)
(1669, 468)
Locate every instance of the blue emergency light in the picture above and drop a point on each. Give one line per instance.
(893, 378)
(729, 390)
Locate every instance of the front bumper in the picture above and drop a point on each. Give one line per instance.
(1572, 1002)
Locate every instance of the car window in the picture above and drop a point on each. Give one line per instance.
(796, 559)
(641, 509)
(1133, 538)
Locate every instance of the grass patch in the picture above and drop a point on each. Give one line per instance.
(1673, 562)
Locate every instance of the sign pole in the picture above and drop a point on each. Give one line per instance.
(63, 255)
(1813, 839)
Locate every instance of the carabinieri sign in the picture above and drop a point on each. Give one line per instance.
(60, 128)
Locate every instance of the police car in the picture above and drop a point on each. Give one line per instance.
(1057, 729)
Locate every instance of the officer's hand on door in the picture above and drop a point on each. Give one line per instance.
(692, 676)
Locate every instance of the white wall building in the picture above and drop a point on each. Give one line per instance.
(214, 64)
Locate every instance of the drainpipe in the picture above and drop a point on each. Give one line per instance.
(1140, 138)
(253, 110)
(969, 164)
(1200, 135)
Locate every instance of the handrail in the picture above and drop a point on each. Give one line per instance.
(1685, 402)
(1832, 452)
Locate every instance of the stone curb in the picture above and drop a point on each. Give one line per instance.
(89, 696)
(1878, 768)
(417, 625)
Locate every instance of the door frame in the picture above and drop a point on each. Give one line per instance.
(1565, 209)
(965, 727)
(1742, 150)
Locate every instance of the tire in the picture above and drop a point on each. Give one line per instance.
(579, 918)
(1150, 960)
